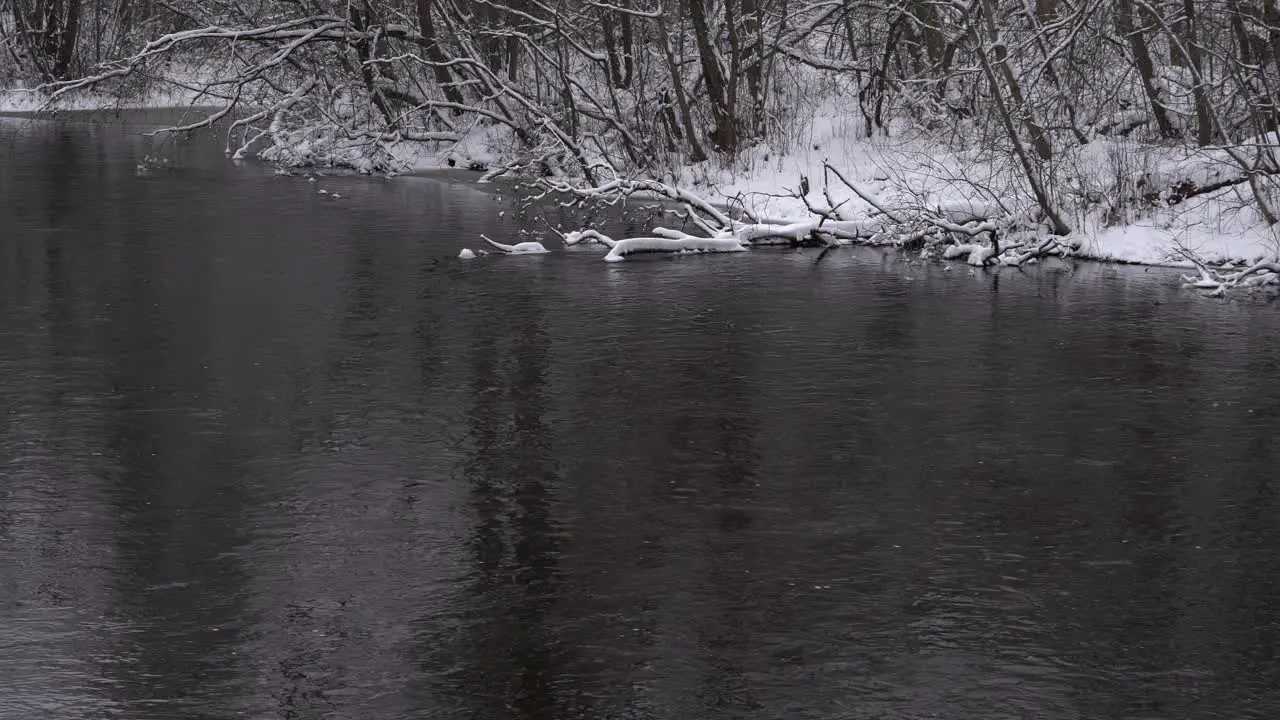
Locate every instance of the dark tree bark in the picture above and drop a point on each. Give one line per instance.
(613, 59)
(67, 42)
(696, 152)
(1126, 28)
(628, 46)
(1191, 44)
(427, 28)
(753, 59)
(1000, 54)
(725, 134)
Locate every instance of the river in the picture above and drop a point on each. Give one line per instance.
(268, 453)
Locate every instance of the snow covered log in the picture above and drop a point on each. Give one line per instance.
(969, 211)
(669, 233)
(687, 244)
(960, 250)
(1261, 274)
(586, 236)
(801, 231)
(524, 248)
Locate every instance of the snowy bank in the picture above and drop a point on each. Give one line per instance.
(792, 191)
(178, 89)
(834, 185)
(831, 184)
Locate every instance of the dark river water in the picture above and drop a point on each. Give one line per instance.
(270, 454)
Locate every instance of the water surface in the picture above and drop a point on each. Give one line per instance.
(270, 454)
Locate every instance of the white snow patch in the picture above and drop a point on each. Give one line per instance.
(687, 244)
(960, 250)
(588, 236)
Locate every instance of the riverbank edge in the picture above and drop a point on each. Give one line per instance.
(724, 189)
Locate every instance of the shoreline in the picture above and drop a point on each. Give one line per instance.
(759, 181)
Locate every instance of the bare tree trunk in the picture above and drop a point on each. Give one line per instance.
(752, 22)
(67, 40)
(696, 153)
(1046, 10)
(1125, 27)
(628, 47)
(1000, 53)
(513, 44)
(427, 28)
(879, 81)
(1029, 168)
(926, 17)
(1191, 43)
(613, 62)
(725, 134)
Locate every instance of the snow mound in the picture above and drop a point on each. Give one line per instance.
(686, 244)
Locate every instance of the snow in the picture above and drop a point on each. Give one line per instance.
(1218, 227)
(524, 248)
(686, 244)
(960, 250)
(588, 236)
(981, 256)
(798, 231)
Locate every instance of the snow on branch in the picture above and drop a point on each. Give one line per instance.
(803, 230)
(1265, 273)
(622, 188)
(585, 236)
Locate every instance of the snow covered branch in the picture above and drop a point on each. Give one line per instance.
(687, 244)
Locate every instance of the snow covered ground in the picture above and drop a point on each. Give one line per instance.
(28, 100)
(910, 170)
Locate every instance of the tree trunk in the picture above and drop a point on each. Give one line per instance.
(926, 17)
(1060, 226)
(1039, 140)
(752, 21)
(1125, 27)
(1046, 10)
(725, 134)
(1191, 43)
(612, 60)
(628, 47)
(696, 153)
(427, 28)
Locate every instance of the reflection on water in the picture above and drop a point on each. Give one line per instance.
(274, 454)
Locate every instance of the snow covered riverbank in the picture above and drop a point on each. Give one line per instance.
(906, 171)
(25, 101)
(912, 171)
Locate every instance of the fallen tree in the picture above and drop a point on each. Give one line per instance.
(1216, 282)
